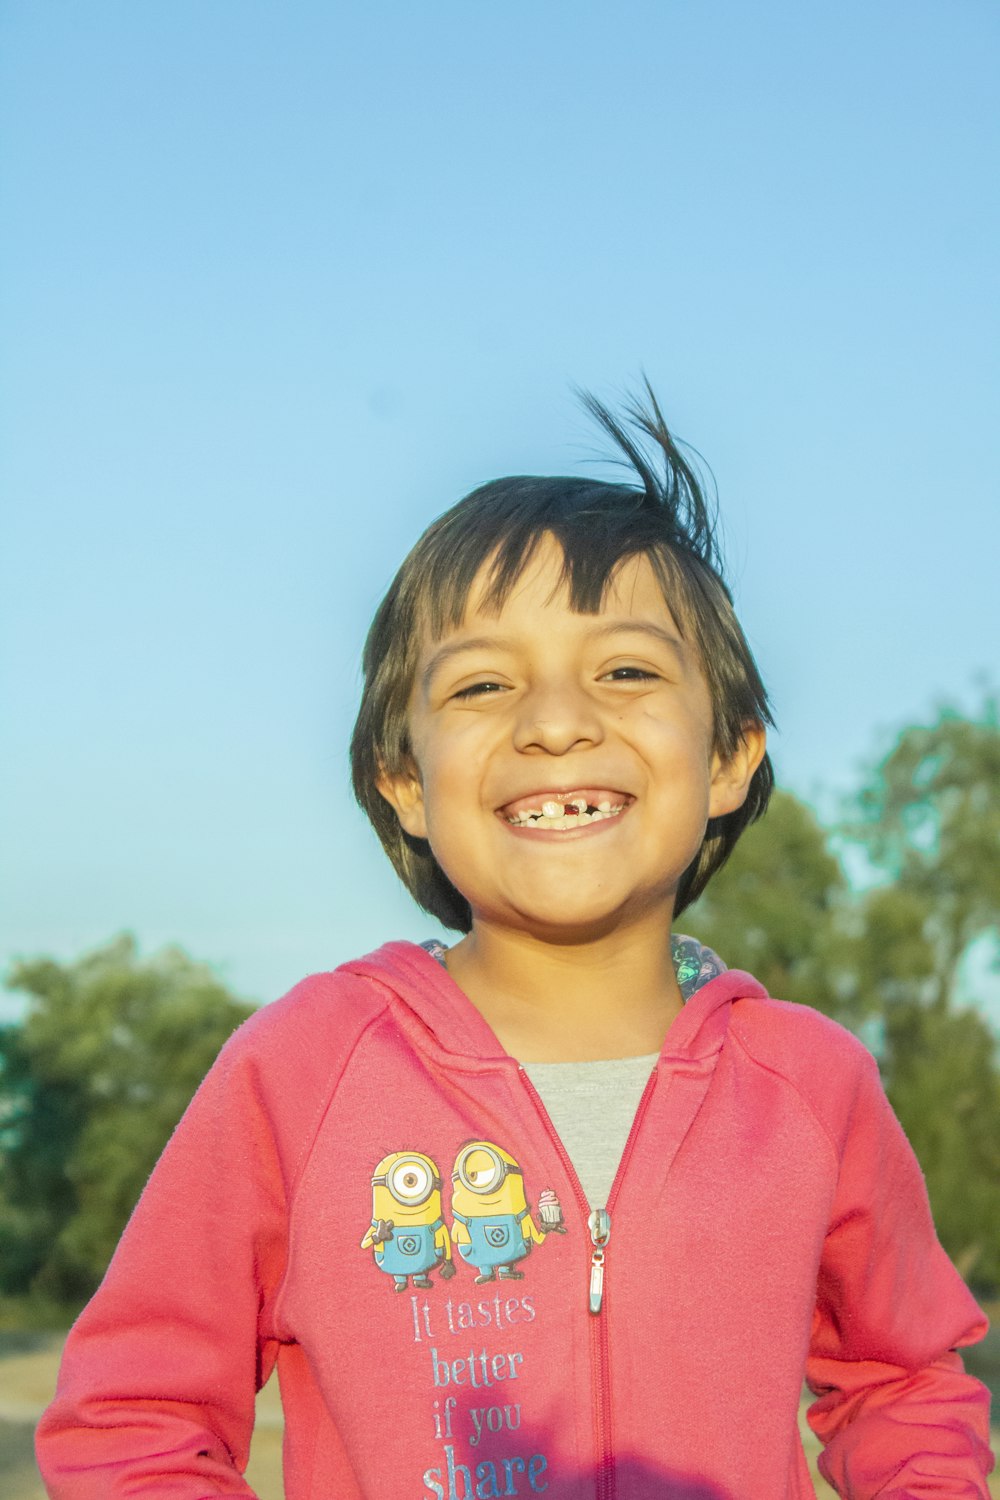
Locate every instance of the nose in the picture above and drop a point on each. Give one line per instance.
(555, 718)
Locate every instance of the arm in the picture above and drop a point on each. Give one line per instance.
(157, 1384)
(442, 1243)
(531, 1231)
(899, 1417)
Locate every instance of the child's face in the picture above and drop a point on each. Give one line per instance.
(518, 715)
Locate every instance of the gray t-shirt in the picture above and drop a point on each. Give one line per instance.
(592, 1104)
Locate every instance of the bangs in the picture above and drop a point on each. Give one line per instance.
(598, 528)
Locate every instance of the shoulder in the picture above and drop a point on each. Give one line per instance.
(797, 1037)
(832, 1071)
(327, 1014)
(277, 1073)
(324, 1011)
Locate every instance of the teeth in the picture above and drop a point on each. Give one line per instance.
(552, 815)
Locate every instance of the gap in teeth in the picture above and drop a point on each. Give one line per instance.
(570, 814)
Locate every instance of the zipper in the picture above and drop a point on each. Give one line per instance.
(599, 1230)
(599, 1224)
(599, 1220)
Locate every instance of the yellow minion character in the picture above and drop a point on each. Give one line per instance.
(492, 1226)
(407, 1233)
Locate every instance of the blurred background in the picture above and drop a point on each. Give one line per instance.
(278, 284)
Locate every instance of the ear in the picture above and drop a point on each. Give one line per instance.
(731, 778)
(404, 792)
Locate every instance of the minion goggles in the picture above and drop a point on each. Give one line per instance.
(409, 1180)
(480, 1182)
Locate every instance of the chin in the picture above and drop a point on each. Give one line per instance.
(569, 928)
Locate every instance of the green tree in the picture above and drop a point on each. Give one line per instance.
(92, 1083)
(930, 819)
(942, 1079)
(776, 909)
(931, 826)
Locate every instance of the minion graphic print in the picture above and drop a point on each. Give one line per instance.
(492, 1224)
(407, 1233)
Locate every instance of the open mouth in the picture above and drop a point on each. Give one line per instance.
(564, 810)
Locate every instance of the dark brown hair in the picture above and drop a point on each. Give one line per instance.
(598, 526)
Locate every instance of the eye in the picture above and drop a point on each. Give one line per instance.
(410, 1181)
(480, 690)
(480, 1170)
(630, 674)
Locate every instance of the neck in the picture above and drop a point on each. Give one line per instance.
(612, 996)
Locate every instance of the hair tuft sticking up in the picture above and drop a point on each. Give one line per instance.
(670, 482)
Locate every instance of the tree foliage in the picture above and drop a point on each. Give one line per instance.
(92, 1082)
(931, 823)
(773, 908)
(941, 1076)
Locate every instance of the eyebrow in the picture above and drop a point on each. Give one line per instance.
(445, 652)
(642, 627)
(450, 649)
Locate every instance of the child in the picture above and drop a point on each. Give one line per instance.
(567, 1209)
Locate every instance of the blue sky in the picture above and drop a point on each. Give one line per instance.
(279, 283)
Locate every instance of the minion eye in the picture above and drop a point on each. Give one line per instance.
(480, 1169)
(410, 1181)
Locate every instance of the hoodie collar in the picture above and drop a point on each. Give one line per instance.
(426, 989)
(442, 1018)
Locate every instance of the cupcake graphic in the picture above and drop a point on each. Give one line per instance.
(550, 1212)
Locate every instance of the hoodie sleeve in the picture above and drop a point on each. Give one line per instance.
(898, 1415)
(159, 1374)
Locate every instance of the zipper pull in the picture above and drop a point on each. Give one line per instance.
(599, 1224)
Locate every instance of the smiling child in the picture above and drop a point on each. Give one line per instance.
(566, 1208)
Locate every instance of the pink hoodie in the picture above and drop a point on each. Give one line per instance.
(768, 1220)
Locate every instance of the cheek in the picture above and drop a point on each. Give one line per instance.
(684, 743)
(447, 807)
(454, 771)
